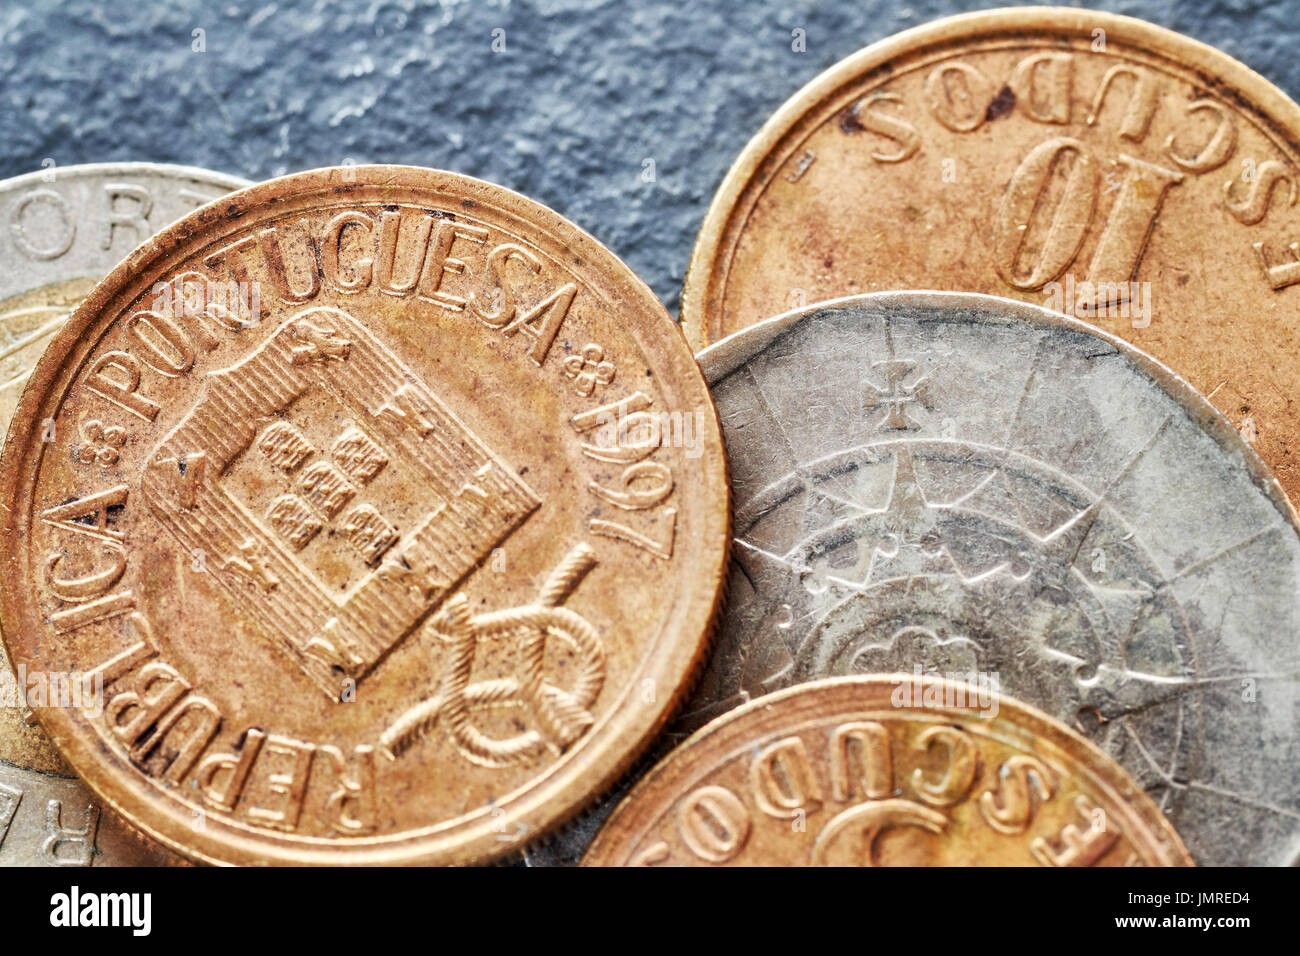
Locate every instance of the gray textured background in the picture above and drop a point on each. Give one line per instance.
(584, 93)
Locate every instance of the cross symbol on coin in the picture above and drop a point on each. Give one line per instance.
(897, 396)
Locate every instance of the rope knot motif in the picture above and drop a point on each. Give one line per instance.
(559, 716)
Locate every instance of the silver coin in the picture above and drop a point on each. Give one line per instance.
(61, 230)
(974, 486)
(52, 820)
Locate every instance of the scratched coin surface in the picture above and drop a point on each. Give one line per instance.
(968, 484)
(887, 771)
(1088, 162)
(389, 508)
(64, 229)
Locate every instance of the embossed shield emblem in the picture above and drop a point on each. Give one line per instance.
(337, 500)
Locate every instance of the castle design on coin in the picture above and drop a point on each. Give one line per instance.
(341, 623)
(388, 509)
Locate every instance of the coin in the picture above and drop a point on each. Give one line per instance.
(1092, 163)
(968, 484)
(389, 507)
(65, 228)
(52, 820)
(887, 771)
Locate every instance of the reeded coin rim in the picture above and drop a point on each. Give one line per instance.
(735, 730)
(1250, 90)
(577, 777)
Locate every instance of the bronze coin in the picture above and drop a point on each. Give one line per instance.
(67, 227)
(898, 770)
(1092, 163)
(388, 507)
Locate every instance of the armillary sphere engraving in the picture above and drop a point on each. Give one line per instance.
(971, 486)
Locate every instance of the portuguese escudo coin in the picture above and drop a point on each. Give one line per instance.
(64, 229)
(1091, 163)
(972, 485)
(388, 508)
(887, 771)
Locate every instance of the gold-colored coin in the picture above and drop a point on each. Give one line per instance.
(899, 770)
(1096, 164)
(387, 508)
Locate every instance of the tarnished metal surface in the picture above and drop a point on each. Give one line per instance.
(973, 484)
(1100, 166)
(969, 484)
(52, 820)
(887, 771)
(389, 507)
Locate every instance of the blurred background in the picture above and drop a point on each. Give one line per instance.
(624, 115)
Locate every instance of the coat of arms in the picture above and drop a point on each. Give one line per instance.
(339, 499)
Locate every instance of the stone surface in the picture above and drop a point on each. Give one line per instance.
(584, 93)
